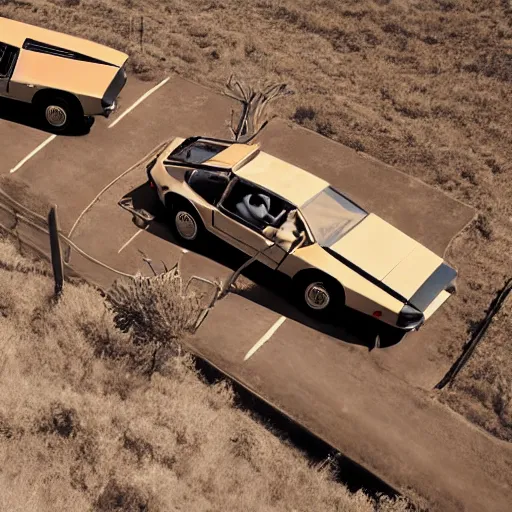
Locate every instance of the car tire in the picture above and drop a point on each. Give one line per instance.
(59, 113)
(319, 295)
(186, 224)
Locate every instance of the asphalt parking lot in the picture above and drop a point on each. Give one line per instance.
(367, 402)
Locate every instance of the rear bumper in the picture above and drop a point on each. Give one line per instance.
(414, 326)
(108, 110)
(442, 278)
(109, 100)
(430, 296)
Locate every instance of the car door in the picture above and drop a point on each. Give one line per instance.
(8, 56)
(242, 235)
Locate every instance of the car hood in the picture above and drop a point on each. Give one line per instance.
(384, 253)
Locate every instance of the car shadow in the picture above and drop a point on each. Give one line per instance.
(24, 114)
(268, 288)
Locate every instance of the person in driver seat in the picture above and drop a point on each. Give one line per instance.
(255, 208)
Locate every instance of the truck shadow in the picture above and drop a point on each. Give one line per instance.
(268, 288)
(25, 115)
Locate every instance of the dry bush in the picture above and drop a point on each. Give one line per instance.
(82, 428)
(156, 312)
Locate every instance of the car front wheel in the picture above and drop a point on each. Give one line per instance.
(186, 223)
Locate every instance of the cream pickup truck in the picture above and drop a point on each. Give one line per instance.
(65, 78)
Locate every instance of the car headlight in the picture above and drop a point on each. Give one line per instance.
(409, 317)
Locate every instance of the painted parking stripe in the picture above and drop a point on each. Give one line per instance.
(140, 100)
(30, 155)
(265, 337)
(132, 238)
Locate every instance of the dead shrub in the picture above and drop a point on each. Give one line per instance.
(66, 3)
(495, 65)
(496, 167)
(7, 304)
(136, 445)
(155, 311)
(61, 421)
(483, 226)
(122, 497)
(469, 175)
(325, 128)
(355, 144)
(396, 29)
(502, 403)
(303, 114)
(153, 307)
(7, 430)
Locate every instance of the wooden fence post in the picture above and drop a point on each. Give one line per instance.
(56, 254)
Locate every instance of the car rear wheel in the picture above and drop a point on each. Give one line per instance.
(59, 113)
(319, 295)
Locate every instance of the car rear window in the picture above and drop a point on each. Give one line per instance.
(197, 152)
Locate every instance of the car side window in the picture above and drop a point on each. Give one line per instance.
(254, 206)
(7, 56)
(209, 184)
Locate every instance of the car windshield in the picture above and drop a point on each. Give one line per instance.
(330, 215)
(197, 152)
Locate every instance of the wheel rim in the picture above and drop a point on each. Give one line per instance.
(186, 225)
(316, 296)
(56, 116)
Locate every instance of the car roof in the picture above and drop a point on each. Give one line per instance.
(282, 178)
(234, 156)
(246, 161)
(14, 33)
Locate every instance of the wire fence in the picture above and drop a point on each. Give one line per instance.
(477, 336)
(31, 229)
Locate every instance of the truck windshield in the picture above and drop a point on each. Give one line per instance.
(330, 215)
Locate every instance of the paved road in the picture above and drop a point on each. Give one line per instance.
(367, 403)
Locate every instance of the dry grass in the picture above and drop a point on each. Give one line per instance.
(85, 426)
(483, 391)
(424, 86)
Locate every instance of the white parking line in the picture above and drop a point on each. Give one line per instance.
(140, 100)
(265, 337)
(132, 238)
(30, 155)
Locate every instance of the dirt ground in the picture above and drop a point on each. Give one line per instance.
(424, 86)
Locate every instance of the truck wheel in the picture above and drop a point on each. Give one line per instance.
(59, 113)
